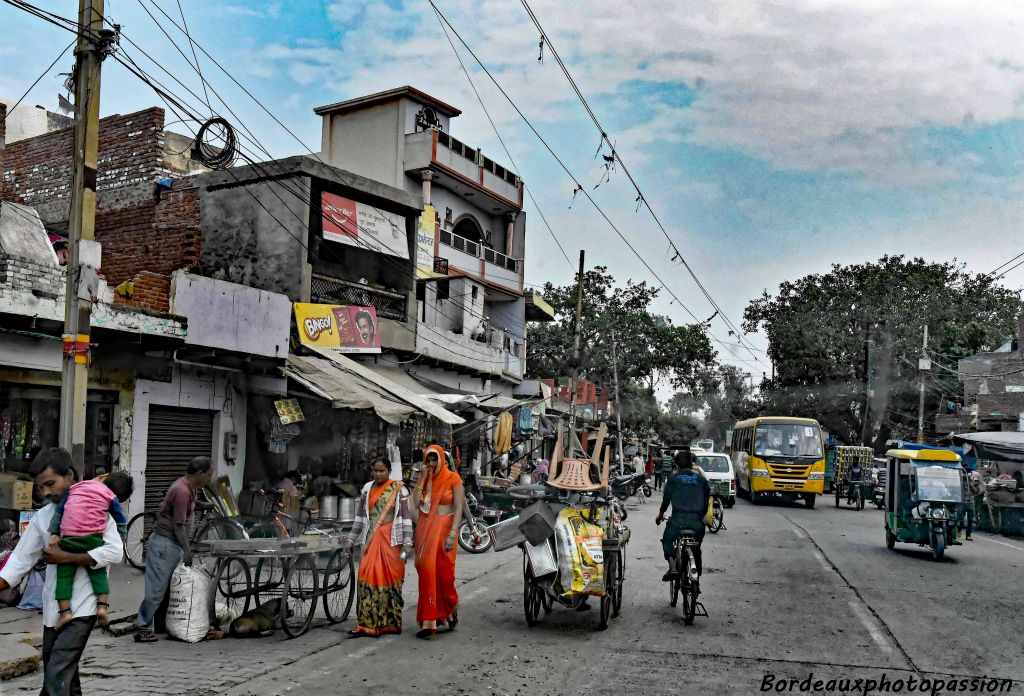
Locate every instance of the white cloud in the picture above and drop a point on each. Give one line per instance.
(816, 85)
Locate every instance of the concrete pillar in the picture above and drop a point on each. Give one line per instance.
(428, 176)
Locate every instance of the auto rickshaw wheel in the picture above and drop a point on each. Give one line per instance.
(938, 546)
(890, 539)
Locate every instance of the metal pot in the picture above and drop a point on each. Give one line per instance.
(329, 507)
(348, 509)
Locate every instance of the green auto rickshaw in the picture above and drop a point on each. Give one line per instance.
(923, 495)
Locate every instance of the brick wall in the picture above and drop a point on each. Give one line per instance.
(146, 233)
(24, 274)
(3, 139)
(37, 171)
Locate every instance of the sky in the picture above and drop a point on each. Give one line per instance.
(771, 139)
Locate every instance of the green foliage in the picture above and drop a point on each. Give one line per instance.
(649, 345)
(817, 338)
(722, 396)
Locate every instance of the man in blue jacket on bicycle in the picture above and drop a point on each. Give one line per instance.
(689, 493)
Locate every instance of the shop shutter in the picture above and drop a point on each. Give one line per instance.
(176, 436)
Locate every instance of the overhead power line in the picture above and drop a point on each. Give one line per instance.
(579, 186)
(617, 157)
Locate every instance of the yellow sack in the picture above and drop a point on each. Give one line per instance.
(578, 542)
(709, 516)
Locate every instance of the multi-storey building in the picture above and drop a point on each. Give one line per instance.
(470, 242)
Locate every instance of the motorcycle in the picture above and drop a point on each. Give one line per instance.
(483, 517)
(633, 483)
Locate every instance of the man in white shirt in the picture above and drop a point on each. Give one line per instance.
(54, 474)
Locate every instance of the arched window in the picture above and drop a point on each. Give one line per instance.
(468, 228)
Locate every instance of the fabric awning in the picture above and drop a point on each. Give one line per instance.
(399, 376)
(379, 384)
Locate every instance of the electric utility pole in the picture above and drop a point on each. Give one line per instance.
(618, 410)
(575, 371)
(923, 366)
(83, 251)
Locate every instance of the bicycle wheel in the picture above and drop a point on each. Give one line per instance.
(673, 585)
(137, 538)
(614, 581)
(300, 595)
(689, 591)
(532, 595)
(339, 586)
(232, 590)
(717, 516)
(215, 529)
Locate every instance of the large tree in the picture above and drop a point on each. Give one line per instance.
(648, 345)
(720, 397)
(818, 329)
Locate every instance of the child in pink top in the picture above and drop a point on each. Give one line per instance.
(77, 526)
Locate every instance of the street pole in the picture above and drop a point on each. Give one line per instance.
(923, 365)
(865, 432)
(618, 410)
(574, 373)
(83, 256)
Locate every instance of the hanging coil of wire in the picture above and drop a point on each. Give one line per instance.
(215, 144)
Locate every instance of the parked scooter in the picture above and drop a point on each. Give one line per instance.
(633, 483)
(483, 517)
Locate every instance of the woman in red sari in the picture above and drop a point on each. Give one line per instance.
(384, 529)
(437, 503)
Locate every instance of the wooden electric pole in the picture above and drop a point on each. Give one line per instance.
(575, 372)
(83, 251)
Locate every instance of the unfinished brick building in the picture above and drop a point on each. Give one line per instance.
(147, 216)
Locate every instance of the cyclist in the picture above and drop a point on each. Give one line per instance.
(689, 493)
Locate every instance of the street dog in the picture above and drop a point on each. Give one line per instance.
(258, 622)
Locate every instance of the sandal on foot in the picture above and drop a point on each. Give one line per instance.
(425, 632)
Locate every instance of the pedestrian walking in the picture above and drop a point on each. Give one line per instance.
(974, 497)
(54, 475)
(437, 502)
(383, 528)
(663, 469)
(168, 544)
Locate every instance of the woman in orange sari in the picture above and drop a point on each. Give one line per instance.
(384, 529)
(437, 502)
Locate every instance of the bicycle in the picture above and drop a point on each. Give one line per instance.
(717, 512)
(686, 582)
(211, 523)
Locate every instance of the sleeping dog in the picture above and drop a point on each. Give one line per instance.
(258, 622)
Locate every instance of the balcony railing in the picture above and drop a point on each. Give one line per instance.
(473, 155)
(388, 303)
(474, 248)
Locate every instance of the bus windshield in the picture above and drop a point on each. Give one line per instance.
(787, 440)
(713, 465)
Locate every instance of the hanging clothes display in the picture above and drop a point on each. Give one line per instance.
(503, 433)
(524, 421)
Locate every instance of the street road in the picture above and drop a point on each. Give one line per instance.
(790, 592)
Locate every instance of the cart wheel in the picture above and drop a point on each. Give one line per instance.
(607, 600)
(268, 579)
(532, 601)
(232, 588)
(546, 602)
(890, 539)
(300, 595)
(339, 586)
(613, 566)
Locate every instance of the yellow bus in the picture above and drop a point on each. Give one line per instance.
(778, 456)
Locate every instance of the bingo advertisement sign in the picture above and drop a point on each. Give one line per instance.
(344, 328)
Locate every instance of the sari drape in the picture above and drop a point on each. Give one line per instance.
(438, 599)
(381, 570)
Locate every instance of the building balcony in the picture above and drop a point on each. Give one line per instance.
(471, 258)
(494, 353)
(463, 168)
(335, 291)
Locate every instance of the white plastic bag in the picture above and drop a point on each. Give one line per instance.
(188, 616)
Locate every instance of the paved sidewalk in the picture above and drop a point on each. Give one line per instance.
(119, 665)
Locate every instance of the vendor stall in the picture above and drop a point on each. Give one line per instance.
(1001, 463)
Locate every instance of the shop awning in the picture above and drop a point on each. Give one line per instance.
(997, 446)
(350, 384)
(399, 376)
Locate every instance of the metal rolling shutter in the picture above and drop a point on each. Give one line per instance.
(176, 436)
